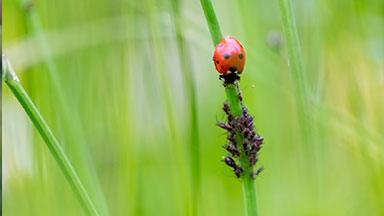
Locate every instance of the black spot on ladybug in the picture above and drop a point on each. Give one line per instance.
(232, 69)
(217, 62)
(241, 56)
(226, 56)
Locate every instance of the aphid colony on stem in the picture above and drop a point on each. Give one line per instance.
(242, 140)
(251, 142)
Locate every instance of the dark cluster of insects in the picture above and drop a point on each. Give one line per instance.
(241, 126)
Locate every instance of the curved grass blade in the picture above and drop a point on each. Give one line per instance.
(53, 145)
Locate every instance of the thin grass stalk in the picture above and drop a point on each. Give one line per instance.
(52, 143)
(298, 76)
(295, 61)
(302, 95)
(158, 70)
(236, 109)
(293, 47)
(75, 126)
(213, 23)
(190, 88)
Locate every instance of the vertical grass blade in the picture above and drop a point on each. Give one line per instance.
(298, 76)
(213, 23)
(53, 145)
(159, 72)
(71, 120)
(190, 88)
(232, 93)
(302, 96)
(294, 54)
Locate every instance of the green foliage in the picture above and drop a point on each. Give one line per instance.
(116, 62)
(45, 132)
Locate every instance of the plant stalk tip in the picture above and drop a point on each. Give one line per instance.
(7, 72)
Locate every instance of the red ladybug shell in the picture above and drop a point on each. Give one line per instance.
(229, 55)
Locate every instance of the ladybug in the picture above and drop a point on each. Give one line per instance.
(229, 58)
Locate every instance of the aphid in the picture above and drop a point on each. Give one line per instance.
(230, 162)
(249, 123)
(246, 147)
(257, 172)
(225, 126)
(232, 150)
(253, 159)
(245, 111)
(240, 122)
(226, 109)
(246, 132)
(231, 119)
(232, 137)
(240, 97)
(238, 171)
(255, 147)
(229, 58)
(259, 140)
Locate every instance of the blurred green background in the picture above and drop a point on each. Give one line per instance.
(107, 77)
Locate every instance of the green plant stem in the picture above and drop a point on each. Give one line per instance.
(233, 98)
(302, 95)
(235, 105)
(53, 145)
(232, 91)
(298, 76)
(249, 193)
(213, 23)
(294, 55)
(71, 120)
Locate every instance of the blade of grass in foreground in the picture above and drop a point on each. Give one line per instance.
(190, 88)
(295, 59)
(70, 120)
(232, 92)
(298, 76)
(302, 95)
(53, 145)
